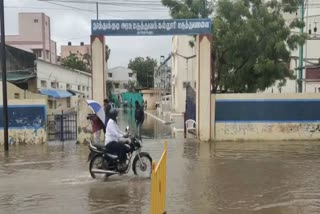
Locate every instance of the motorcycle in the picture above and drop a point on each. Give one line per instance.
(104, 162)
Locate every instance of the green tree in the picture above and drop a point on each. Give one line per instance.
(77, 61)
(130, 86)
(252, 43)
(144, 69)
(187, 9)
(108, 53)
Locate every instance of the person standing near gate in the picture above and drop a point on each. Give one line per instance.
(145, 105)
(97, 125)
(139, 117)
(107, 108)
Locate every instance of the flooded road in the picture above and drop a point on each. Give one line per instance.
(223, 177)
(152, 129)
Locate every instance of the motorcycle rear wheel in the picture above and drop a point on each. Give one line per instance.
(97, 162)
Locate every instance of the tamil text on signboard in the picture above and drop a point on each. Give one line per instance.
(151, 27)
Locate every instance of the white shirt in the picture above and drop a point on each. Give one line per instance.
(113, 132)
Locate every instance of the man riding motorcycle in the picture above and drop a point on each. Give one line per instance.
(114, 137)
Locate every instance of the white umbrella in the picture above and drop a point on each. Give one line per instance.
(98, 110)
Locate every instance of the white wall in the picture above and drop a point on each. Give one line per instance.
(121, 74)
(151, 96)
(181, 72)
(290, 87)
(16, 93)
(162, 76)
(66, 79)
(78, 80)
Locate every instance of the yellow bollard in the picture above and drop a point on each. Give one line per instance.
(159, 184)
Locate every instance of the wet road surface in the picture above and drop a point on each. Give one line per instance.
(223, 177)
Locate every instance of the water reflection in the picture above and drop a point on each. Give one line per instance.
(119, 197)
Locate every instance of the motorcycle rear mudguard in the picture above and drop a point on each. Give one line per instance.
(91, 155)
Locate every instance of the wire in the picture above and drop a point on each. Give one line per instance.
(81, 9)
(77, 8)
(132, 4)
(154, 3)
(74, 8)
(73, 38)
(111, 11)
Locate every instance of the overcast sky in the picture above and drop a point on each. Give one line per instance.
(74, 25)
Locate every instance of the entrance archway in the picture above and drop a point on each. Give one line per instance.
(163, 27)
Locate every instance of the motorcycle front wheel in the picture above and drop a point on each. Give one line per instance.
(142, 166)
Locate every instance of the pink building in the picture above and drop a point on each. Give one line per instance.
(35, 36)
(80, 49)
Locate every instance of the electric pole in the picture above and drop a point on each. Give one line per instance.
(301, 50)
(4, 80)
(97, 7)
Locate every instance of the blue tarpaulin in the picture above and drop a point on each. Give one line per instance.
(55, 93)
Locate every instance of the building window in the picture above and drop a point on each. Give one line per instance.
(88, 96)
(116, 85)
(79, 87)
(50, 104)
(54, 85)
(110, 75)
(186, 84)
(16, 96)
(68, 86)
(38, 53)
(87, 88)
(83, 88)
(35, 21)
(130, 74)
(83, 96)
(43, 83)
(68, 102)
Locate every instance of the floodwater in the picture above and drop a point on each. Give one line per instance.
(152, 129)
(223, 177)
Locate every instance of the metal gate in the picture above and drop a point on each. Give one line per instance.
(62, 126)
